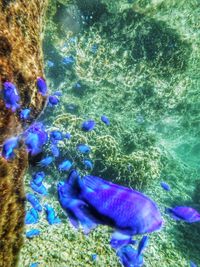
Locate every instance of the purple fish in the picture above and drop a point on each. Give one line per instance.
(105, 120)
(9, 146)
(184, 213)
(165, 186)
(42, 86)
(11, 96)
(91, 201)
(88, 126)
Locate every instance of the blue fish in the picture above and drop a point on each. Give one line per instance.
(165, 186)
(105, 120)
(51, 216)
(192, 264)
(91, 201)
(11, 96)
(53, 100)
(34, 202)
(55, 150)
(31, 216)
(68, 60)
(56, 136)
(38, 178)
(82, 148)
(46, 161)
(88, 126)
(65, 165)
(32, 233)
(184, 213)
(35, 138)
(25, 114)
(68, 136)
(35, 264)
(40, 189)
(88, 164)
(42, 86)
(94, 48)
(9, 146)
(94, 257)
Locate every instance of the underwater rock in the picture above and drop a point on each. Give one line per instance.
(21, 64)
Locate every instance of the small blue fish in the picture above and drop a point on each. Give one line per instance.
(55, 150)
(53, 100)
(68, 60)
(94, 48)
(35, 138)
(90, 201)
(40, 189)
(105, 120)
(32, 233)
(88, 126)
(42, 86)
(94, 257)
(51, 216)
(31, 216)
(11, 96)
(34, 202)
(38, 178)
(35, 264)
(192, 264)
(25, 114)
(65, 165)
(46, 161)
(9, 146)
(58, 93)
(129, 257)
(165, 186)
(82, 148)
(56, 136)
(88, 164)
(68, 136)
(184, 213)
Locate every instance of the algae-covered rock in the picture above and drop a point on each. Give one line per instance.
(21, 62)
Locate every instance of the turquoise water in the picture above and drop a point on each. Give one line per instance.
(138, 63)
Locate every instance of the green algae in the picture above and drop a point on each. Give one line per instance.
(145, 77)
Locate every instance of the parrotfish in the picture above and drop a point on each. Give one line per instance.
(11, 96)
(51, 216)
(38, 177)
(90, 201)
(184, 213)
(65, 165)
(9, 146)
(42, 86)
(25, 114)
(82, 148)
(40, 189)
(105, 120)
(165, 186)
(55, 150)
(32, 216)
(32, 233)
(88, 126)
(35, 137)
(46, 161)
(192, 264)
(34, 202)
(88, 164)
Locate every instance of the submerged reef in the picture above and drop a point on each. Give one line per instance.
(21, 62)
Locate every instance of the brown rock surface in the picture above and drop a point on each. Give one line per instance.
(21, 62)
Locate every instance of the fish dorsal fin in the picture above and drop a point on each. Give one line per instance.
(94, 183)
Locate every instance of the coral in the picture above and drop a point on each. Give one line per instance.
(21, 62)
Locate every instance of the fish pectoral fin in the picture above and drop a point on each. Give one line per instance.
(119, 239)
